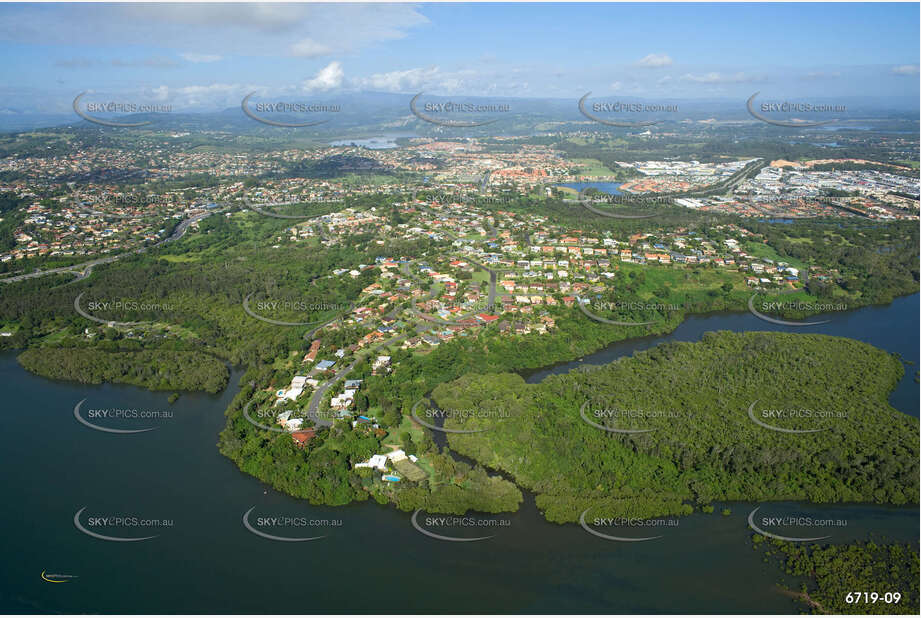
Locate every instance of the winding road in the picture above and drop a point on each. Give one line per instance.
(84, 269)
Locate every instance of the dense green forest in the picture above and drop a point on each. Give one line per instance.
(203, 279)
(152, 369)
(835, 574)
(703, 446)
(322, 473)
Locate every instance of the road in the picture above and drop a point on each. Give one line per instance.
(493, 280)
(321, 390)
(84, 269)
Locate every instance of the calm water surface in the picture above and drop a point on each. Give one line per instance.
(204, 560)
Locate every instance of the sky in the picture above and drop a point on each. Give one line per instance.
(203, 57)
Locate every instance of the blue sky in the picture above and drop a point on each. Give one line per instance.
(202, 57)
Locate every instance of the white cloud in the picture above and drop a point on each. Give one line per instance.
(655, 61)
(208, 96)
(74, 63)
(330, 77)
(197, 58)
(818, 75)
(408, 80)
(153, 62)
(213, 29)
(714, 77)
(161, 93)
(308, 48)
(905, 69)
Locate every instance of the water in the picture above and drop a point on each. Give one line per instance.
(611, 188)
(374, 143)
(893, 327)
(207, 562)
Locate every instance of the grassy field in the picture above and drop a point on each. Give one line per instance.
(593, 167)
(761, 250)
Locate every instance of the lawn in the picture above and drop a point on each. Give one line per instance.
(592, 167)
(761, 250)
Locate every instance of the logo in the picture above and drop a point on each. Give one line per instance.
(284, 107)
(751, 415)
(109, 521)
(751, 524)
(278, 521)
(452, 107)
(587, 205)
(608, 537)
(258, 208)
(293, 305)
(444, 414)
(598, 318)
(86, 315)
(457, 521)
(57, 578)
(80, 205)
(785, 107)
(113, 106)
(759, 315)
(606, 428)
(611, 123)
(85, 422)
(258, 424)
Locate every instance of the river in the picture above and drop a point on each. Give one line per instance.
(203, 560)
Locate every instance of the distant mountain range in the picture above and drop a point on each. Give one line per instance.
(390, 114)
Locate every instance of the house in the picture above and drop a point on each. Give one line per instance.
(294, 390)
(303, 436)
(324, 365)
(376, 461)
(293, 424)
(312, 353)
